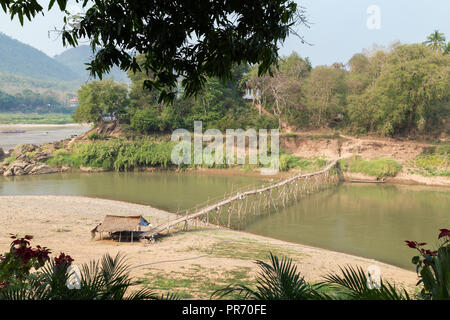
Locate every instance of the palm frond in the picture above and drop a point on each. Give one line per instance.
(278, 280)
(355, 285)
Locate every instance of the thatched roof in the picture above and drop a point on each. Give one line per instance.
(120, 223)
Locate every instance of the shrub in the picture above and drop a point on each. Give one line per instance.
(434, 163)
(123, 155)
(63, 157)
(57, 279)
(381, 167)
(146, 120)
(16, 264)
(93, 136)
(433, 268)
(290, 162)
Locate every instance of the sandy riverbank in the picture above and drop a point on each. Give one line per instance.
(30, 126)
(195, 261)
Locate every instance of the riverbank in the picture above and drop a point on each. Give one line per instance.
(362, 159)
(192, 263)
(45, 125)
(34, 118)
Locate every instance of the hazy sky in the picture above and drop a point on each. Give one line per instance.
(339, 28)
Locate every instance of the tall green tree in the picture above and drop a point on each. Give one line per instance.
(325, 94)
(411, 94)
(100, 99)
(447, 48)
(436, 41)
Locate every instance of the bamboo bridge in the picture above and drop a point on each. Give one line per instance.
(255, 202)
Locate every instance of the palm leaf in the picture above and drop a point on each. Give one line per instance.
(354, 283)
(278, 280)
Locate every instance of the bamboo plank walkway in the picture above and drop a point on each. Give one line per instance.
(282, 186)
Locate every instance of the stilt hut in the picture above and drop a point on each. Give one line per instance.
(120, 227)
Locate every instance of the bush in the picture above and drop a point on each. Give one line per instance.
(93, 136)
(145, 121)
(433, 268)
(122, 155)
(57, 279)
(280, 280)
(288, 162)
(381, 167)
(434, 163)
(63, 157)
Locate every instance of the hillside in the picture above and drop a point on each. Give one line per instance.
(19, 59)
(76, 58)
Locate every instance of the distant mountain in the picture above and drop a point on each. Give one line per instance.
(19, 59)
(76, 59)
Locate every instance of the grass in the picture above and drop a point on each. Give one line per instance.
(115, 154)
(34, 118)
(380, 168)
(196, 282)
(242, 249)
(288, 162)
(123, 155)
(433, 162)
(247, 251)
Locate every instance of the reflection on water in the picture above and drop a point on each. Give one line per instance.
(37, 134)
(164, 190)
(370, 220)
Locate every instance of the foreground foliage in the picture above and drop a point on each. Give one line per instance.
(56, 279)
(433, 268)
(280, 280)
(229, 31)
(109, 279)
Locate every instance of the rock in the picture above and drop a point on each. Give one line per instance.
(21, 168)
(42, 156)
(23, 157)
(17, 168)
(91, 170)
(41, 168)
(24, 148)
(19, 171)
(2, 154)
(65, 169)
(19, 164)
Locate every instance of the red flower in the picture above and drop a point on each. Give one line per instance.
(411, 244)
(63, 260)
(444, 233)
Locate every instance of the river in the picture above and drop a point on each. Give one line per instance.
(369, 220)
(37, 134)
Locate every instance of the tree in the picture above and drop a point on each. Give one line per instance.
(282, 93)
(447, 48)
(411, 93)
(325, 94)
(436, 41)
(141, 98)
(189, 39)
(99, 99)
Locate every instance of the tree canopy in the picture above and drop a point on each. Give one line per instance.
(100, 99)
(436, 41)
(401, 90)
(191, 40)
